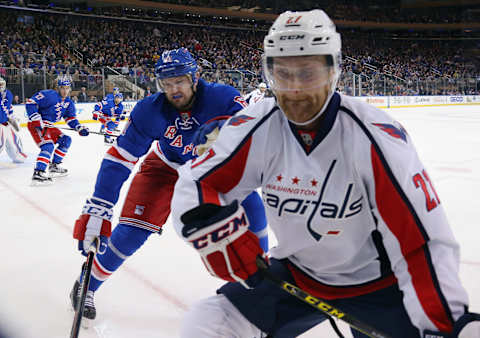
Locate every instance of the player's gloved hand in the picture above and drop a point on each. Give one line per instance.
(122, 117)
(82, 130)
(221, 236)
(95, 115)
(14, 123)
(467, 326)
(207, 133)
(95, 221)
(200, 135)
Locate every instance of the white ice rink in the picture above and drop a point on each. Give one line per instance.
(149, 294)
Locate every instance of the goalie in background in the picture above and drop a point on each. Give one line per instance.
(9, 129)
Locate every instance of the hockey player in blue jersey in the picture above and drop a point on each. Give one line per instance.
(43, 110)
(9, 136)
(172, 118)
(111, 95)
(109, 113)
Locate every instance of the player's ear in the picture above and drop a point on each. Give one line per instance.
(197, 76)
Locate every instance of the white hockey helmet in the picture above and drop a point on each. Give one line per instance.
(262, 85)
(303, 34)
(3, 84)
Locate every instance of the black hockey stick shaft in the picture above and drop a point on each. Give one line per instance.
(77, 319)
(90, 131)
(317, 303)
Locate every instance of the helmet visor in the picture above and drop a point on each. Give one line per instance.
(292, 73)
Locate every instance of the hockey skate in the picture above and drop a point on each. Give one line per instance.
(40, 177)
(89, 311)
(56, 171)
(108, 139)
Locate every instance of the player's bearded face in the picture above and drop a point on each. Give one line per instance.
(301, 85)
(64, 91)
(178, 91)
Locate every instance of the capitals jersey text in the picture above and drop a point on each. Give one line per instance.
(355, 211)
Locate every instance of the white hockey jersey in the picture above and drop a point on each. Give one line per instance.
(355, 213)
(254, 96)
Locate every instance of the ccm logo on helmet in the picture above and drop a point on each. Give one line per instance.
(292, 37)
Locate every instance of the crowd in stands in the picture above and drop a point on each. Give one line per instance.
(352, 10)
(39, 46)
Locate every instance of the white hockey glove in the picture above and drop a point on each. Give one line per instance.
(94, 222)
(14, 123)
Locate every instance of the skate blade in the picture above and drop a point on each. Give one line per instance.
(41, 183)
(87, 323)
(55, 175)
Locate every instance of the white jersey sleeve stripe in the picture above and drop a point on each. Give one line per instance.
(403, 222)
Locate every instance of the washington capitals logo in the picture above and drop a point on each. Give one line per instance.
(393, 131)
(239, 119)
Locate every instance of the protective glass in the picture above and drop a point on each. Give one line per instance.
(296, 73)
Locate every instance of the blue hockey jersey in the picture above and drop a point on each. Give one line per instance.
(154, 119)
(49, 107)
(6, 109)
(108, 108)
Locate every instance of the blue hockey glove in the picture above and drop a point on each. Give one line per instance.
(200, 136)
(82, 130)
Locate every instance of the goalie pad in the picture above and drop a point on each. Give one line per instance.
(10, 140)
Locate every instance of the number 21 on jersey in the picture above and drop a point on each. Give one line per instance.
(420, 180)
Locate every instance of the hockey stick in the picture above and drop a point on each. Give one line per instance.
(90, 131)
(87, 270)
(317, 303)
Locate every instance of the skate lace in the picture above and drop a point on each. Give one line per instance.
(89, 299)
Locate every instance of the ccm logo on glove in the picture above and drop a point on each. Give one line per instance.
(220, 233)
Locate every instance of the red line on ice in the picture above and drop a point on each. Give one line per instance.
(165, 294)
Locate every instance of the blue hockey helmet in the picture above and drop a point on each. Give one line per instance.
(176, 62)
(64, 80)
(118, 95)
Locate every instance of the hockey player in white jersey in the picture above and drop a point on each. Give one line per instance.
(257, 94)
(9, 129)
(356, 216)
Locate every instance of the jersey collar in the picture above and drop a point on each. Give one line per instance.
(329, 116)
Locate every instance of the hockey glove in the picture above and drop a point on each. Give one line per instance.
(82, 130)
(122, 117)
(95, 114)
(467, 326)
(221, 236)
(14, 123)
(207, 133)
(95, 221)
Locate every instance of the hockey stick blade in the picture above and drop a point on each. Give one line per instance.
(77, 319)
(317, 303)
